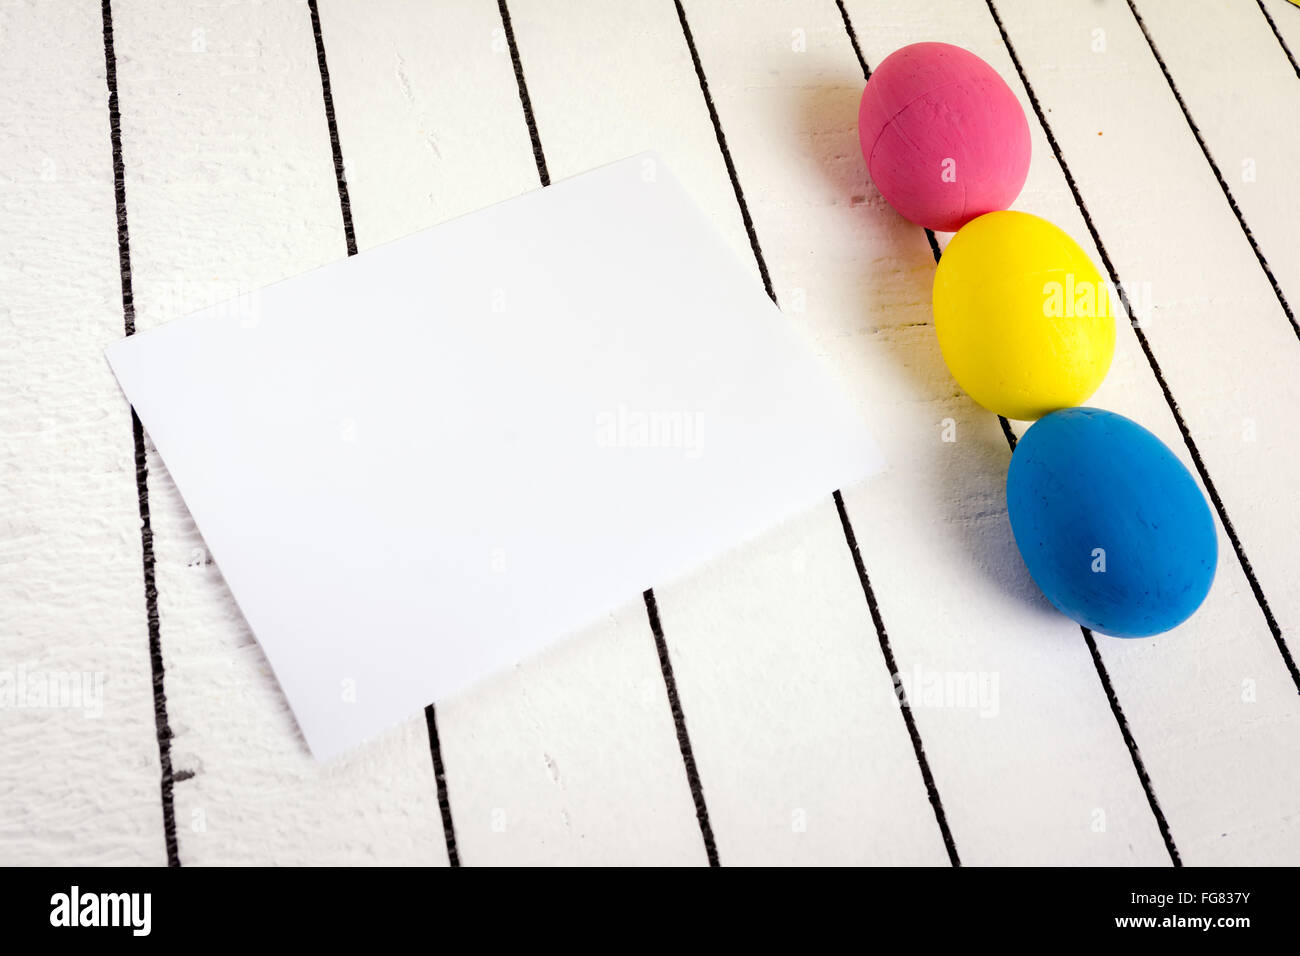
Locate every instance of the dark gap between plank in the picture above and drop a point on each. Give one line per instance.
(665, 665)
(345, 205)
(162, 728)
(850, 538)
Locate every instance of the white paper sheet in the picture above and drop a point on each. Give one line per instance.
(420, 464)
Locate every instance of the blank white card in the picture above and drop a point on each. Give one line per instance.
(420, 464)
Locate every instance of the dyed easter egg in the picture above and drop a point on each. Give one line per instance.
(1023, 317)
(1114, 530)
(944, 137)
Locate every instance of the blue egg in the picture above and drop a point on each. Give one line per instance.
(1114, 530)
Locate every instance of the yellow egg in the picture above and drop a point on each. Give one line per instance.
(1023, 317)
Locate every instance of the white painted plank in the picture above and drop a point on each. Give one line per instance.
(230, 186)
(1217, 762)
(80, 783)
(427, 110)
(933, 529)
(1237, 85)
(1286, 19)
(571, 757)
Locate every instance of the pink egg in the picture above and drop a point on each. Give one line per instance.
(944, 137)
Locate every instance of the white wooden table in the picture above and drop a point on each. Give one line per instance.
(751, 718)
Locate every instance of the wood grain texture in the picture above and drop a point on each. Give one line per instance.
(802, 752)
